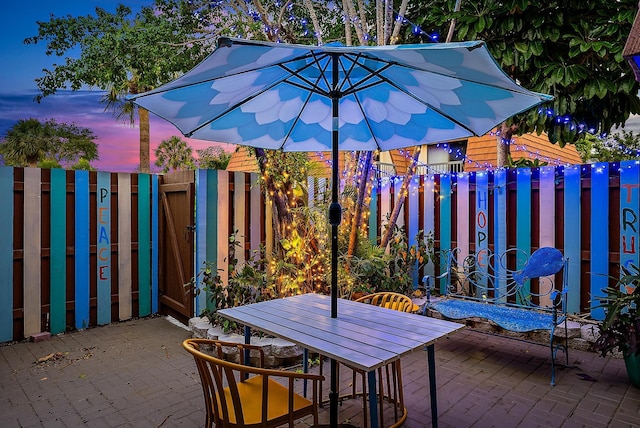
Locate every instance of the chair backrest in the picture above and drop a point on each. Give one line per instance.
(388, 299)
(237, 395)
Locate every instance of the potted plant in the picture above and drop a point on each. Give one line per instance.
(620, 330)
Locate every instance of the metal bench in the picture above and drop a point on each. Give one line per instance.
(516, 292)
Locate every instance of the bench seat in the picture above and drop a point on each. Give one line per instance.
(510, 318)
(513, 290)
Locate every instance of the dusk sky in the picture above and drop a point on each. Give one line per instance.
(21, 64)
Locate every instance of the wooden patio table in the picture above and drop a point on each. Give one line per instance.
(363, 336)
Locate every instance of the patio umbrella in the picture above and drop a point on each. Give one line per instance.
(321, 98)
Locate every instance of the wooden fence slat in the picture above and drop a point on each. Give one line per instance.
(155, 206)
(144, 245)
(572, 236)
(201, 238)
(397, 187)
(6, 253)
(462, 215)
(256, 213)
(482, 225)
(414, 218)
(547, 213)
(58, 252)
(223, 227)
(500, 219)
(125, 306)
(429, 215)
(385, 202)
(103, 247)
(445, 219)
(212, 220)
(523, 210)
(239, 213)
(599, 235)
(373, 215)
(32, 252)
(81, 254)
(629, 207)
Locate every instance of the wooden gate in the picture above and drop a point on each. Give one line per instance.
(176, 244)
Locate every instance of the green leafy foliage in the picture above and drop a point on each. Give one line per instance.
(174, 154)
(213, 157)
(615, 147)
(620, 329)
(49, 144)
(571, 49)
(246, 284)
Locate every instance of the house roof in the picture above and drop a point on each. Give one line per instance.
(243, 161)
(632, 46)
(481, 152)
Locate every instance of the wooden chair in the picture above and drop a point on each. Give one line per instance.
(392, 372)
(237, 395)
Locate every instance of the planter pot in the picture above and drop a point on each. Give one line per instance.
(633, 368)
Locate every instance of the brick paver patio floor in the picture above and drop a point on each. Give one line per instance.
(136, 374)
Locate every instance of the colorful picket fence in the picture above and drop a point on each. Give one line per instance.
(79, 248)
(75, 250)
(589, 212)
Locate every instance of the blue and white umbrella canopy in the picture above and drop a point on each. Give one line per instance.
(279, 96)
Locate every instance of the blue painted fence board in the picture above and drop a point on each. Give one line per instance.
(599, 235)
(81, 253)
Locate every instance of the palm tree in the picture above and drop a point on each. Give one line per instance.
(174, 154)
(26, 143)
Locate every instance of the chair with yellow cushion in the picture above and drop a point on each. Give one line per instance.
(237, 395)
(390, 300)
(392, 371)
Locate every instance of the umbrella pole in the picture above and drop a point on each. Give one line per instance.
(335, 215)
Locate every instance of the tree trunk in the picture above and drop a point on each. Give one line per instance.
(357, 216)
(282, 216)
(145, 140)
(403, 195)
(503, 143)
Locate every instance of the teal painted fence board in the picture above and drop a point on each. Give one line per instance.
(58, 252)
(523, 210)
(6, 254)
(81, 250)
(572, 236)
(103, 247)
(144, 245)
(599, 235)
(212, 221)
(154, 243)
(629, 213)
(373, 215)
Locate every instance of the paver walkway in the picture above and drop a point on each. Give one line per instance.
(136, 374)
